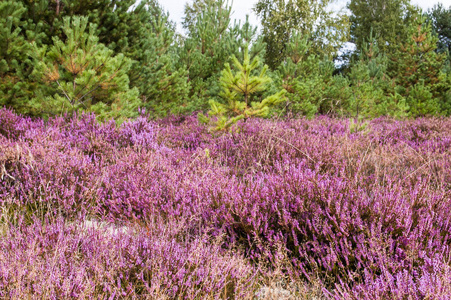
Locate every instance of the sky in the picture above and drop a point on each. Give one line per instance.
(242, 7)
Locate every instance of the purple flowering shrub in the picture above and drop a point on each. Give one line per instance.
(60, 260)
(362, 214)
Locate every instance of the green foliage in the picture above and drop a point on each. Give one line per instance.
(195, 9)
(312, 88)
(110, 57)
(328, 31)
(372, 95)
(139, 31)
(81, 73)
(243, 35)
(142, 32)
(239, 88)
(446, 103)
(206, 49)
(417, 69)
(384, 19)
(308, 79)
(163, 86)
(441, 25)
(15, 62)
(41, 20)
(421, 100)
(356, 125)
(118, 22)
(210, 43)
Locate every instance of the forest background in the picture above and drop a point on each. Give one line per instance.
(114, 57)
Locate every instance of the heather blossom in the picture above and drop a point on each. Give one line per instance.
(166, 209)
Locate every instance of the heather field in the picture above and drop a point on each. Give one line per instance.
(277, 209)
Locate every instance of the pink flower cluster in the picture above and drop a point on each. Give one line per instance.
(363, 213)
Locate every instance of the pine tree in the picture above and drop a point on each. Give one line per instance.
(116, 21)
(308, 78)
(211, 41)
(139, 30)
(81, 73)
(42, 20)
(372, 92)
(15, 63)
(238, 90)
(195, 9)
(163, 86)
(243, 35)
(206, 48)
(441, 23)
(297, 75)
(415, 62)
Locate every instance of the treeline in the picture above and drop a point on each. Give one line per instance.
(112, 57)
